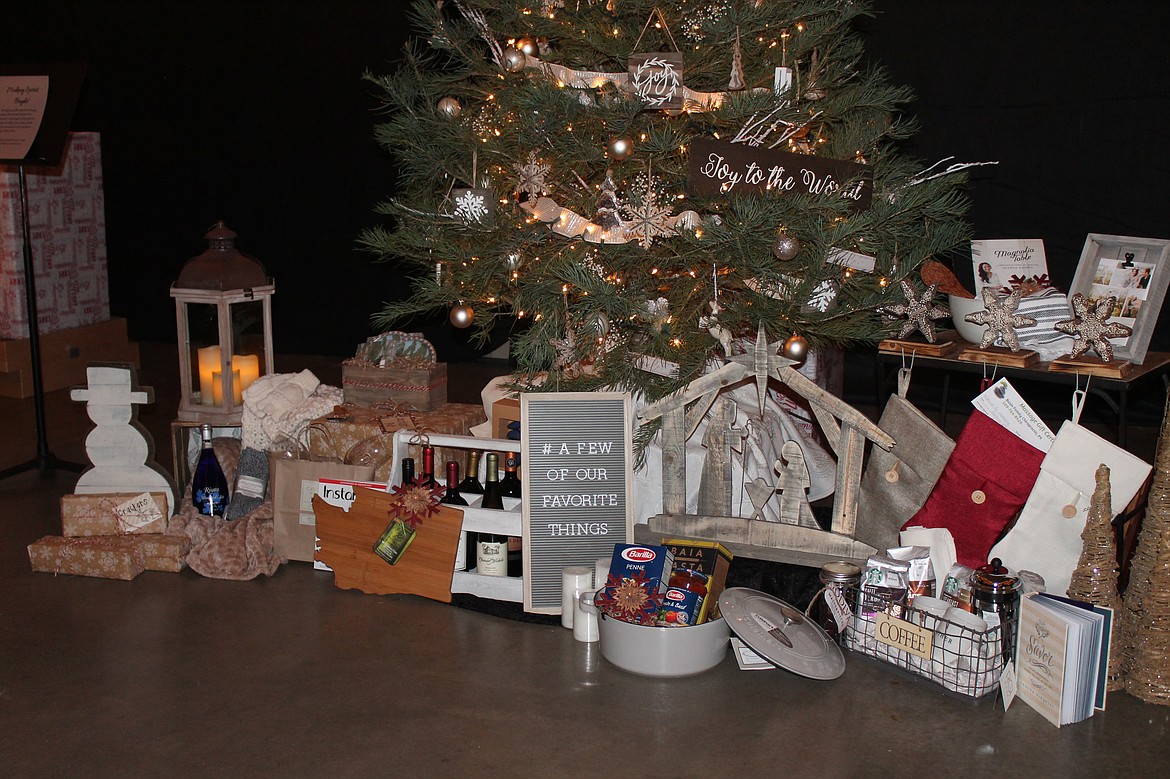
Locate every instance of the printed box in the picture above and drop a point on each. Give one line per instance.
(67, 224)
(710, 558)
(113, 513)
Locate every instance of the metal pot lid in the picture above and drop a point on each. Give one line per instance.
(781, 634)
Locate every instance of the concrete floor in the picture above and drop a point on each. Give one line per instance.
(175, 674)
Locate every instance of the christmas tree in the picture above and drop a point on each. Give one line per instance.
(639, 182)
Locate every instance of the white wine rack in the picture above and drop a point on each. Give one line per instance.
(475, 519)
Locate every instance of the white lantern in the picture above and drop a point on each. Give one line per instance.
(223, 309)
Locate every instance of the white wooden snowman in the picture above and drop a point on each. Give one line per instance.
(118, 447)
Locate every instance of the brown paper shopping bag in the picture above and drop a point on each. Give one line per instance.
(294, 482)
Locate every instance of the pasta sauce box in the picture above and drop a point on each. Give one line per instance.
(709, 558)
(681, 608)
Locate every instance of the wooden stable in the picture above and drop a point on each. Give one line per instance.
(845, 429)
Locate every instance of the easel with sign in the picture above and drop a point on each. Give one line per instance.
(36, 109)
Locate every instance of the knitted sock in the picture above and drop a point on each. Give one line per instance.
(251, 483)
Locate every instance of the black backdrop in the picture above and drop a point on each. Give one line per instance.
(255, 113)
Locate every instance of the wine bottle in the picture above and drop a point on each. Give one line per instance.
(407, 471)
(209, 489)
(470, 484)
(491, 554)
(492, 499)
(452, 495)
(428, 467)
(515, 556)
(510, 484)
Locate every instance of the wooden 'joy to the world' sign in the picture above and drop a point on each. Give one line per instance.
(578, 486)
(721, 168)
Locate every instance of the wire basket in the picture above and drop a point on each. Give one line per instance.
(962, 660)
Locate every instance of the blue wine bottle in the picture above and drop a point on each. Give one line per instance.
(209, 490)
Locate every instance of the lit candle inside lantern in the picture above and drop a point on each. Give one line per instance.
(217, 387)
(209, 359)
(248, 366)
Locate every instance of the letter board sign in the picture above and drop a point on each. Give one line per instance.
(578, 486)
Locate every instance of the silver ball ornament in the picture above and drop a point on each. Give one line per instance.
(528, 46)
(786, 247)
(620, 148)
(598, 325)
(450, 107)
(513, 262)
(462, 316)
(514, 59)
(796, 347)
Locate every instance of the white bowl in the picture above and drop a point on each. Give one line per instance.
(960, 307)
(660, 651)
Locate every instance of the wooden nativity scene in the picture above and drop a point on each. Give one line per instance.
(791, 534)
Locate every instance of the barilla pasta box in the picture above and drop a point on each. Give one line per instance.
(638, 577)
(638, 561)
(681, 608)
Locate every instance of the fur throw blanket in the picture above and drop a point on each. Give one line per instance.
(236, 549)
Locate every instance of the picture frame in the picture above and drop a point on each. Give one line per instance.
(1134, 270)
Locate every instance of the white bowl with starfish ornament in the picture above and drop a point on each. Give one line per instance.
(660, 651)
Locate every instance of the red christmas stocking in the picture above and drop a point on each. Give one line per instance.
(985, 482)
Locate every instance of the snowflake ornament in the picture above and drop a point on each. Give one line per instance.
(1001, 319)
(1091, 328)
(471, 206)
(646, 219)
(823, 297)
(532, 177)
(920, 311)
(630, 599)
(412, 503)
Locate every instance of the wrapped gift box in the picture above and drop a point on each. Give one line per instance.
(421, 388)
(113, 513)
(335, 436)
(160, 552)
(68, 227)
(103, 556)
(110, 557)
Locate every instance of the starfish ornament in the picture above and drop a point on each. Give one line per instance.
(1001, 318)
(919, 311)
(1091, 327)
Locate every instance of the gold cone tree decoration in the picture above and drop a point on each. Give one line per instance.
(1095, 578)
(1147, 598)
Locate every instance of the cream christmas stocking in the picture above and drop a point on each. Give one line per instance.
(1047, 536)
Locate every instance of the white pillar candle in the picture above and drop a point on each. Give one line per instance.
(584, 622)
(217, 387)
(249, 367)
(601, 571)
(209, 358)
(575, 579)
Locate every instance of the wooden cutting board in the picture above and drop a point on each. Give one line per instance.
(347, 546)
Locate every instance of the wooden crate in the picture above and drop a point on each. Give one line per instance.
(65, 355)
(423, 389)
